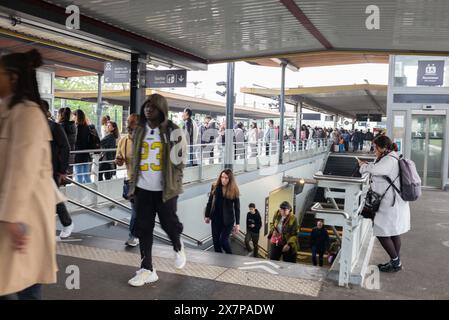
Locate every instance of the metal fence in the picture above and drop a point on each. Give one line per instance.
(205, 161)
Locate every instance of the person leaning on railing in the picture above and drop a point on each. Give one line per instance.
(393, 217)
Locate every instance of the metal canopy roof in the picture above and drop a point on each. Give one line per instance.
(196, 32)
(346, 100)
(176, 102)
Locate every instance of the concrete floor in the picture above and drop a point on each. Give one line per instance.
(425, 256)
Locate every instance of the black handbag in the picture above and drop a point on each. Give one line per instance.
(125, 189)
(372, 202)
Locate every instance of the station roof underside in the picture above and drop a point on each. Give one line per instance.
(346, 100)
(192, 34)
(176, 102)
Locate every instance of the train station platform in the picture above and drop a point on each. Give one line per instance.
(106, 265)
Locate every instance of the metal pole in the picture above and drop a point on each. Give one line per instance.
(99, 103)
(282, 111)
(298, 124)
(133, 106)
(229, 133)
(137, 88)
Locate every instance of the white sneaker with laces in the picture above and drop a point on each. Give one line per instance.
(66, 231)
(180, 257)
(132, 242)
(142, 277)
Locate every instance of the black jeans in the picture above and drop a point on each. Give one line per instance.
(61, 210)
(31, 293)
(276, 253)
(320, 251)
(147, 204)
(220, 235)
(63, 214)
(254, 237)
(106, 167)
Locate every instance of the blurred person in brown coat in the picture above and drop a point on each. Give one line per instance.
(27, 189)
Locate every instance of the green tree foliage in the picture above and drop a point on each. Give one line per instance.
(115, 112)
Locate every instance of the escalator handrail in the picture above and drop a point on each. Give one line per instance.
(98, 194)
(319, 209)
(260, 248)
(323, 177)
(199, 242)
(104, 215)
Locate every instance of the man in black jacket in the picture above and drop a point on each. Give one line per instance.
(253, 225)
(189, 129)
(319, 242)
(60, 152)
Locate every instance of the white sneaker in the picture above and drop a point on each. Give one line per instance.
(180, 257)
(66, 231)
(143, 276)
(132, 242)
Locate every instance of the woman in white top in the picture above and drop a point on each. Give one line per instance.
(393, 217)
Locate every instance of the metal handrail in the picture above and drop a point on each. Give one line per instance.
(318, 208)
(104, 215)
(93, 151)
(259, 247)
(323, 177)
(361, 155)
(205, 239)
(98, 194)
(199, 242)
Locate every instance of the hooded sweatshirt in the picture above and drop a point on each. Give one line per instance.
(173, 148)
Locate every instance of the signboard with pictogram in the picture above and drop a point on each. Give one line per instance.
(430, 73)
(167, 79)
(117, 72)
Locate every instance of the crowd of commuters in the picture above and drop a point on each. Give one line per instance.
(37, 161)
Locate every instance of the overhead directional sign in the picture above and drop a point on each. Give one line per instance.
(375, 117)
(166, 78)
(117, 72)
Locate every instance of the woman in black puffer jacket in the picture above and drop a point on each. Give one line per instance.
(108, 142)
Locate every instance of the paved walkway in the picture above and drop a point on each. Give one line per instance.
(105, 268)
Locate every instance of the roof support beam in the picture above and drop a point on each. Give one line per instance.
(302, 18)
(324, 107)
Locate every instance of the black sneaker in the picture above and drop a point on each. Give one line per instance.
(383, 265)
(390, 267)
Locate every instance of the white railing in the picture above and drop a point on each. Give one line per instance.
(204, 161)
(357, 231)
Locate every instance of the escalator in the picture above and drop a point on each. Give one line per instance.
(336, 165)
